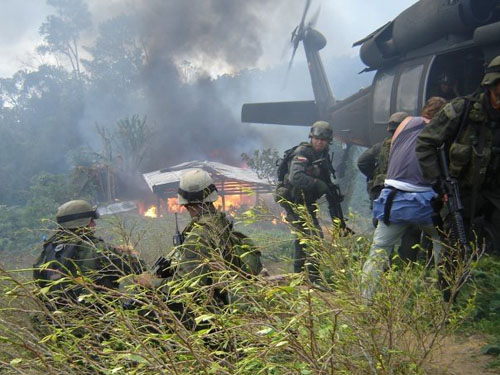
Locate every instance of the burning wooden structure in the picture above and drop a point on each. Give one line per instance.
(236, 186)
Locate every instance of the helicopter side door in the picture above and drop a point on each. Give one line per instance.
(396, 89)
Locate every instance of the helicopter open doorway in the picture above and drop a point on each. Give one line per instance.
(463, 69)
(407, 86)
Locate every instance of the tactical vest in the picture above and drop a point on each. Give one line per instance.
(239, 249)
(298, 195)
(471, 152)
(283, 167)
(55, 269)
(380, 171)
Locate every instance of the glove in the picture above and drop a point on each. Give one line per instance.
(321, 187)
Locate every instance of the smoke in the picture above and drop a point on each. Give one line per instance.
(189, 43)
(190, 47)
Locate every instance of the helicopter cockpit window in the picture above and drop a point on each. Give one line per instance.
(408, 89)
(382, 97)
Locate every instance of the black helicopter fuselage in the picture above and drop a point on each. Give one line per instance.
(430, 39)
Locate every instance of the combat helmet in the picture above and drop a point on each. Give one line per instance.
(321, 130)
(445, 78)
(492, 72)
(75, 214)
(394, 121)
(196, 186)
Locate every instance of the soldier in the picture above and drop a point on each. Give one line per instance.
(446, 87)
(74, 252)
(209, 243)
(469, 128)
(308, 177)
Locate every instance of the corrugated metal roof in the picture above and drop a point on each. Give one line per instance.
(218, 171)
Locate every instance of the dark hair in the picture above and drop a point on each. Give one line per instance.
(432, 106)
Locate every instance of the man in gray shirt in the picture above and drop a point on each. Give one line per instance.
(405, 199)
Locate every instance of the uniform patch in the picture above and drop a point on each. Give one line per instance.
(300, 158)
(450, 111)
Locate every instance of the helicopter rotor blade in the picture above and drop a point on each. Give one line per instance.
(289, 68)
(297, 37)
(314, 19)
(306, 9)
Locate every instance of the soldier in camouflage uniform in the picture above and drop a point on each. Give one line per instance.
(209, 242)
(73, 253)
(309, 174)
(469, 127)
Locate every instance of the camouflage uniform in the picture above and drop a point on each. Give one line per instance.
(91, 258)
(373, 164)
(205, 248)
(474, 156)
(210, 244)
(74, 262)
(302, 188)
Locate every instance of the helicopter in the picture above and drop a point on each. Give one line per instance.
(428, 40)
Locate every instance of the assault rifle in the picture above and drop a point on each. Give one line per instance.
(334, 196)
(178, 238)
(162, 268)
(449, 187)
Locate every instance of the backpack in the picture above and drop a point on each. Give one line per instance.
(56, 262)
(246, 253)
(283, 163)
(241, 252)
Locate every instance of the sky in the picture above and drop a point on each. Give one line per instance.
(341, 22)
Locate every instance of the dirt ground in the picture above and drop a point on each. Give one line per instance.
(462, 356)
(458, 355)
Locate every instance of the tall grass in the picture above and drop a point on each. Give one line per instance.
(285, 327)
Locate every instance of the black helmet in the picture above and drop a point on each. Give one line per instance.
(445, 78)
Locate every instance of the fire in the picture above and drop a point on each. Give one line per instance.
(174, 206)
(234, 202)
(230, 203)
(152, 212)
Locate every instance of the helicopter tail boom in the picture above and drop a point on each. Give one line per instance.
(301, 113)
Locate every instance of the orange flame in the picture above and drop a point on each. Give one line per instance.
(151, 212)
(174, 206)
(235, 202)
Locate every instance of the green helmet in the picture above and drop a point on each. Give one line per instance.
(196, 186)
(322, 130)
(394, 121)
(492, 72)
(75, 214)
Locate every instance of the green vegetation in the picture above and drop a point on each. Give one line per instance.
(486, 314)
(272, 328)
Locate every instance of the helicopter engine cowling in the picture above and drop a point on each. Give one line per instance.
(423, 23)
(315, 39)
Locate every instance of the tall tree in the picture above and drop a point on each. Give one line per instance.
(38, 126)
(117, 56)
(62, 31)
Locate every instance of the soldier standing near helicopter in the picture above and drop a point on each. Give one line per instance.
(304, 176)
